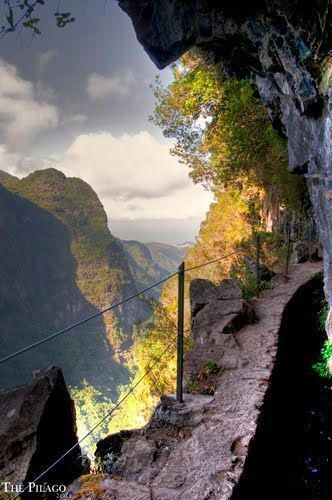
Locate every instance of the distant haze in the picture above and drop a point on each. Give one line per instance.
(174, 231)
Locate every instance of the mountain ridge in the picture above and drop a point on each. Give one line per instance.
(60, 263)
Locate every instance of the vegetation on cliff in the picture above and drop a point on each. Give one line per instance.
(39, 294)
(59, 264)
(103, 275)
(152, 262)
(323, 367)
(223, 135)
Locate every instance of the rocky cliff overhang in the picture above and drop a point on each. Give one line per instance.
(284, 47)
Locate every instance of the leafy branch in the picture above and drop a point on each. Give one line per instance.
(25, 13)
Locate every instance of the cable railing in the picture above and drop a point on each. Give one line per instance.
(178, 329)
(116, 406)
(107, 309)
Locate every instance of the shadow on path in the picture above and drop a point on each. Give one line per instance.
(291, 454)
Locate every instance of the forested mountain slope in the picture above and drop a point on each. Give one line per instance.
(59, 263)
(168, 256)
(151, 262)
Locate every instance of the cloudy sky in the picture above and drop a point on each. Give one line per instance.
(78, 99)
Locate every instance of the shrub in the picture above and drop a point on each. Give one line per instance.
(321, 368)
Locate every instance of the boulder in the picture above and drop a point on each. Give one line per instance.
(37, 425)
(127, 454)
(229, 289)
(170, 412)
(216, 310)
(125, 451)
(301, 252)
(201, 293)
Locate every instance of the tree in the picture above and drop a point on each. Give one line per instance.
(221, 130)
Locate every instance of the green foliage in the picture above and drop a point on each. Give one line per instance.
(222, 132)
(25, 13)
(91, 406)
(210, 367)
(321, 367)
(102, 270)
(192, 387)
(248, 280)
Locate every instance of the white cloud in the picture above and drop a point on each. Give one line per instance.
(135, 177)
(21, 165)
(99, 86)
(45, 58)
(24, 110)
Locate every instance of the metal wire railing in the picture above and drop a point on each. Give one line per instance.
(179, 329)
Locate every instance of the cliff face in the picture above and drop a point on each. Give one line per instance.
(37, 426)
(58, 264)
(284, 47)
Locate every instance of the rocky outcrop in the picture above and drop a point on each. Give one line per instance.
(284, 47)
(216, 310)
(303, 251)
(37, 425)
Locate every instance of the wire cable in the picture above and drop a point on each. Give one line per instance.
(84, 320)
(211, 261)
(103, 311)
(118, 404)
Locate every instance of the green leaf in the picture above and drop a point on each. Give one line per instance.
(10, 17)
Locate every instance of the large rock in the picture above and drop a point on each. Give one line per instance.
(216, 310)
(265, 274)
(284, 47)
(100, 486)
(37, 425)
(138, 455)
(303, 251)
(170, 412)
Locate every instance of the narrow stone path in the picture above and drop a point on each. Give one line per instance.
(291, 454)
(199, 452)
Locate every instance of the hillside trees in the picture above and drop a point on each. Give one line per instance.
(222, 134)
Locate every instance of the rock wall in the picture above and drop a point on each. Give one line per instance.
(284, 47)
(37, 425)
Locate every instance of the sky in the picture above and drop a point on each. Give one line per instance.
(78, 99)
